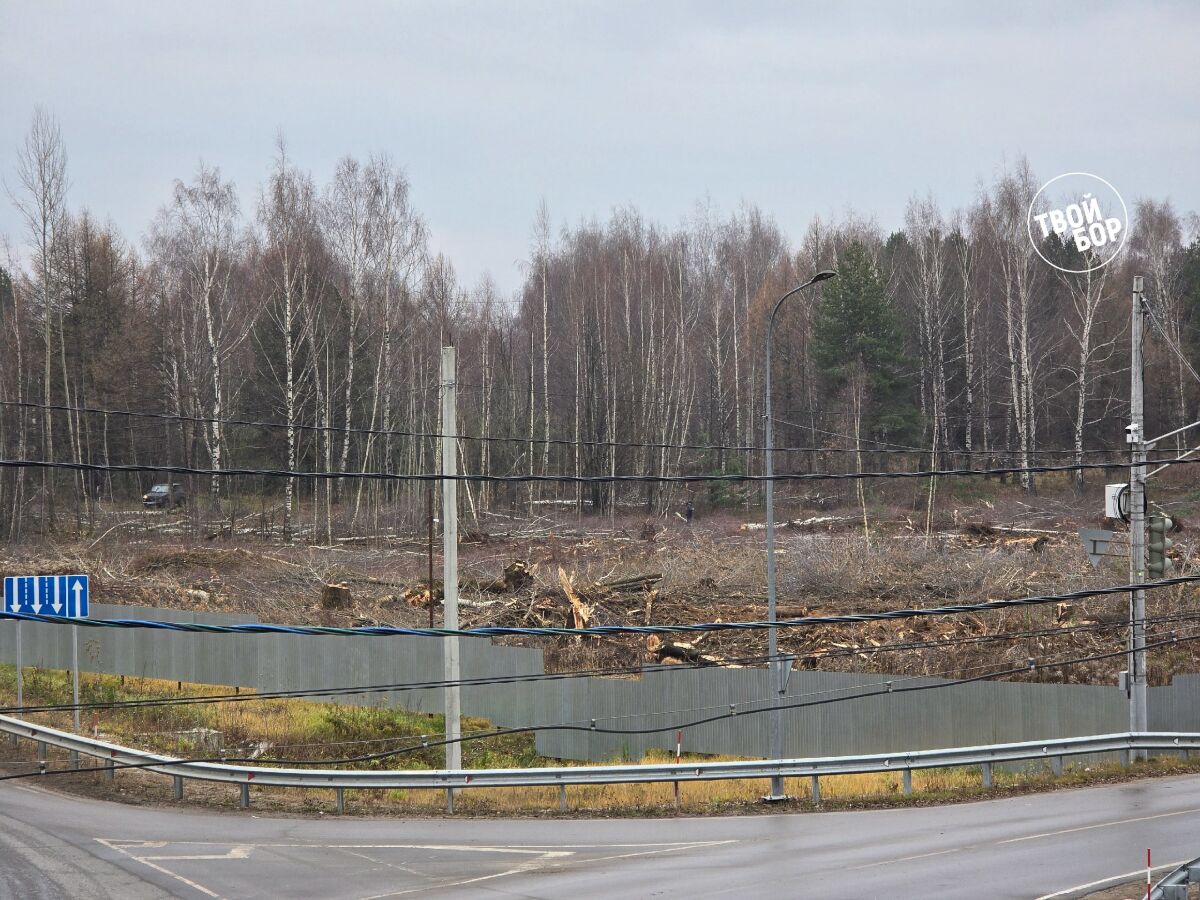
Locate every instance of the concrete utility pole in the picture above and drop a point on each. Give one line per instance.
(450, 561)
(1136, 436)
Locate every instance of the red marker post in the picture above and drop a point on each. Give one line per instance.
(678, 749)
(1147, 873)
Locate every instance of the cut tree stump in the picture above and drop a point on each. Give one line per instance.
(581, 613)
(336, 596)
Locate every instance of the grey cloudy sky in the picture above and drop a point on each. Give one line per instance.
(801, 107)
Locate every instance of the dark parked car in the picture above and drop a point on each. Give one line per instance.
(164, 496)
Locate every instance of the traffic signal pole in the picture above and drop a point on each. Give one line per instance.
(1138, 718)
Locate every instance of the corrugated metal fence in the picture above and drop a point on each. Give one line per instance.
(979, 713)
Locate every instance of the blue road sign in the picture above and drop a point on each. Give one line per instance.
(47, 595)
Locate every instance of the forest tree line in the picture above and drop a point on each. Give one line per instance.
(321, 308)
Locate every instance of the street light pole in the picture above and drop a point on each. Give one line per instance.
(1138, 718)
(776, 673)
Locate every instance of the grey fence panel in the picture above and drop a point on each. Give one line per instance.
(1177, 702)
(509, 704)
(354, 662)
(973, 714)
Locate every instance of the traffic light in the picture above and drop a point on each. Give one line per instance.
(1157, 545)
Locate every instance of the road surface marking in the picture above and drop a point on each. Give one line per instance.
(1033, 837)
(1028, 837)
(528, 865)
(1112, 879)
(530, 849)
(456, 848)
(235, 853)
(242, 851)
(623, 846)
(595, 859)
(398, 866)
(900, 859)
(145, 862)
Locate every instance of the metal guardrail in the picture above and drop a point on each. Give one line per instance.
(115, 755)
(1175, 885)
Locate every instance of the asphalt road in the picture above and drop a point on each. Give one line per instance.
(53, 845)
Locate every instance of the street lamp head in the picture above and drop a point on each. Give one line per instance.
(823, 275)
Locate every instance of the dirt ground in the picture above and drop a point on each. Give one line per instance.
(984, 543)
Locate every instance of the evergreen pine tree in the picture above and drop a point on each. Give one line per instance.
(855, 330)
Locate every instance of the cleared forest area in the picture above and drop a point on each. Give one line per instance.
(987, 541)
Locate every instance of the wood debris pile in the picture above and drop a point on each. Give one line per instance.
(561, 600)
(983, 535)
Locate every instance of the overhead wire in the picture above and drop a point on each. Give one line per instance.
(610, 671)
(574, 479)
(888, 689)
(884, 447)
(531, 631)
(1171, 343)
(1033, 665)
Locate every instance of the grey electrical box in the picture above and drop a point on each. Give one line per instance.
(1114, 508)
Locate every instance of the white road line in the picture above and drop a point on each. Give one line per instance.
(530, 849)
(457, 848)
(596, 859)
(235, 853)
(1104, 882)
(526, 866)
(1029, 837)
(379, 862)
(1034, 837)
(198, 887)
(624, 846)
(900, 859)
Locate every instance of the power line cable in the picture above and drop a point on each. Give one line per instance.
(392, 432)
(888, 689)
(1032, 666)
(608, 630)
(573, 479)
(611, 671)
(1168, 340)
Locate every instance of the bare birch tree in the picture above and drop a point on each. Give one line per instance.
(197, 237)
(41, 201)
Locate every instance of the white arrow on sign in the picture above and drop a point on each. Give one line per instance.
(57, 605)
(78, 589)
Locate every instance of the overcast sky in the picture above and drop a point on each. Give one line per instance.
(801, 108)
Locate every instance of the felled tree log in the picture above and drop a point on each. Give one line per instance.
(810, 522)
(683, 651)
(631, 583)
